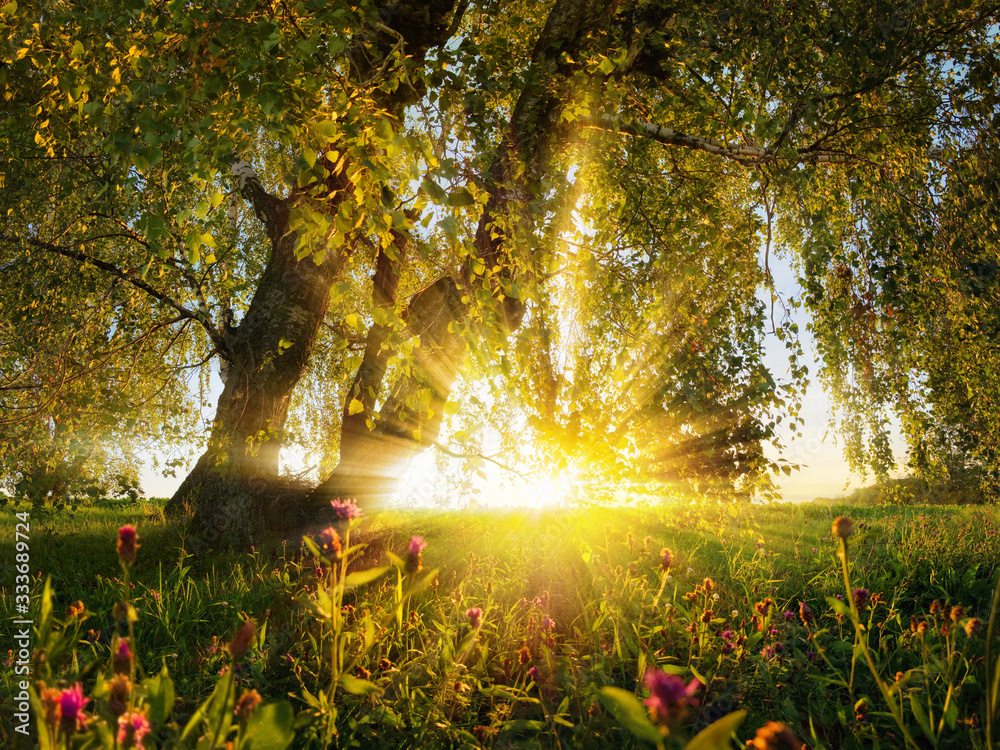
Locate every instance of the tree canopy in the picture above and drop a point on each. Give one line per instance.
(394, 225)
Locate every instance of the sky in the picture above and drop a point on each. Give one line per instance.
(824, 471)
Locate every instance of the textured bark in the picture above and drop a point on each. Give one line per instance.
(228, 487)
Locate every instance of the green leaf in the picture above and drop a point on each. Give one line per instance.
(433, 190)
(460, 198)
(364, 576)
(716, 735)
(160, 696)
(269, 727)
(630, 713)
(357, 686)
(838, 606)
(921, 716)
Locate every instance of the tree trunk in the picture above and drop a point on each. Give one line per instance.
(231, 485)
(267, 354)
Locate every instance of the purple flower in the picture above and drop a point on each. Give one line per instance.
(861, 597)
(727, 635)
(128, 543)
(811, 655)
(71, 703)
(727, 647)
(534, 675)
(548, 624)
(345, 510)
(669, 697)
(767, 652)
(122, 659)
(417, 545)
(413, 562)
(475, 615)
(789, 615)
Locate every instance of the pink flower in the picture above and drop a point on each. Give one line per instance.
(669, 697)
(413, 562)
(417, 545)
(122, 660)
(71, 703)
(345, 510)
(128, 543)
(132, 728)
(475, 615)
(244, 637)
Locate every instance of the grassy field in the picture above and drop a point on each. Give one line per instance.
(522, 629)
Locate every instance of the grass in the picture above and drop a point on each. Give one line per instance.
(576, 608)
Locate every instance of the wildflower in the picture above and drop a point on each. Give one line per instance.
(774, 736)
(727, 635)
(923, 627)
(534, 674)
(936, 607)
(956, 612)
(71, 703)
(707, 616)
(736, 613)
(121, 662)
(861, 711)
(345, 510)
(548, 624)
(973, 627)
(861, 597)
(475, 615)
(763, 607)
(241, 642)
(843, 527)
(413, 562)
(128, 543)
(669, 697)
(666, 558)
(708, 584)
(727, 647)
(118, 694)
(246, 704)
(132, 728)
(789, 615)
(76, 609)
(690, 571)
(767, 652)
(329, 543)
(805, 613)
(523, 655)
(811, 655)
(715, 597)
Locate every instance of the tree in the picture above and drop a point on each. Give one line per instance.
(565, 200)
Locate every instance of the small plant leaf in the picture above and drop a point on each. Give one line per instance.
(716, 735)
(631, 713)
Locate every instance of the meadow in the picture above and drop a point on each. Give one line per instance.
(653, 626)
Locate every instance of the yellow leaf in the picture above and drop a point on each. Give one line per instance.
(355, 407)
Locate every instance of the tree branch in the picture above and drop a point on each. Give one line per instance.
(746, 155)
(271, 210)
(138, 283)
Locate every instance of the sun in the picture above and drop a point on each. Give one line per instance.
(497, 487)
